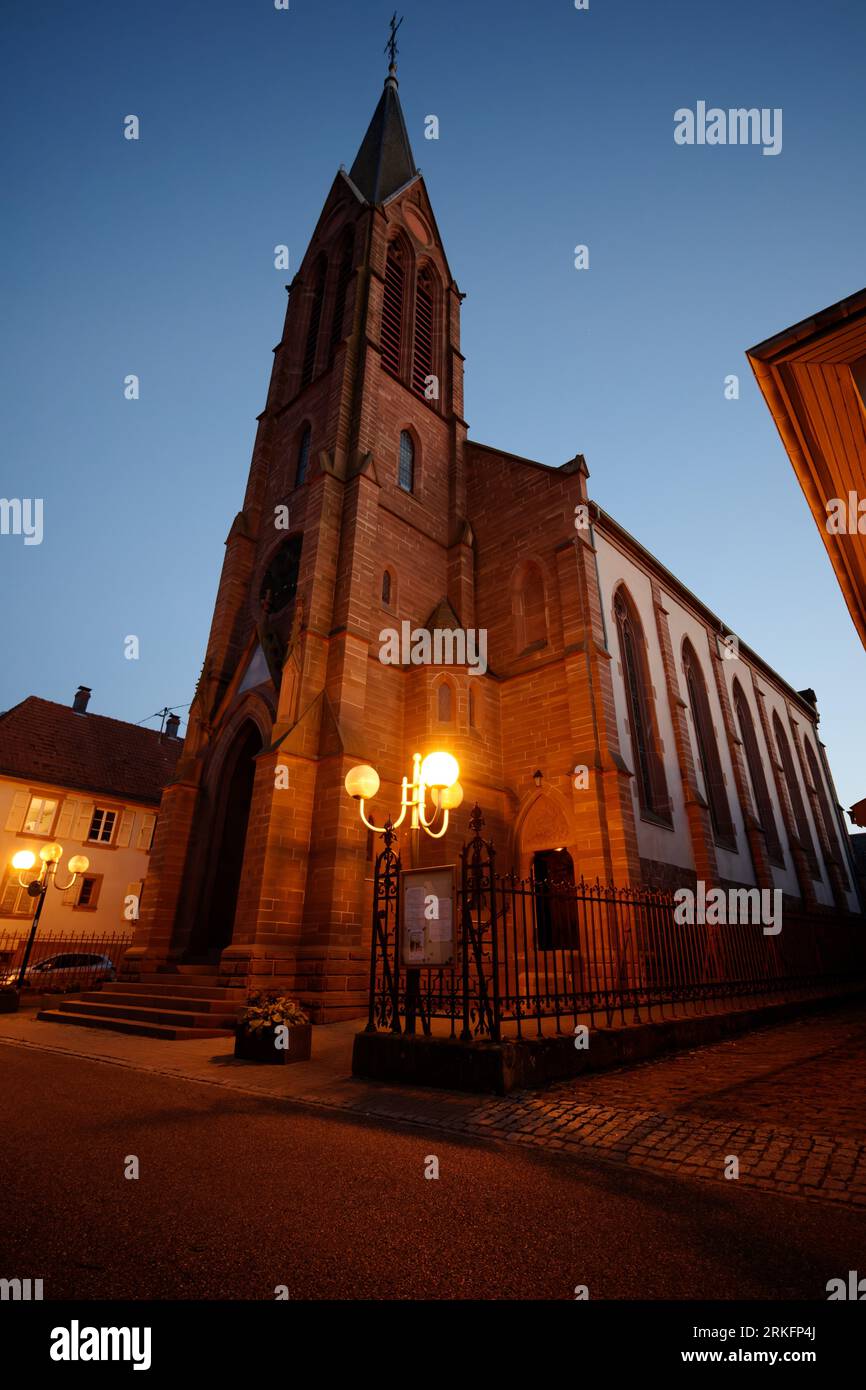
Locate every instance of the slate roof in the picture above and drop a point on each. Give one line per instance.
(41, 741)
(384, 162)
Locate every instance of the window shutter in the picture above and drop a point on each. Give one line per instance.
(70, 897)
(17, 811)
(66, 819)
(10, 895)
(82, 822)
(145, 832)
(124, 830)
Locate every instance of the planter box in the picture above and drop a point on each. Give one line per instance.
(260, 1046)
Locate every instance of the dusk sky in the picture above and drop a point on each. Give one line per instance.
(156, 257)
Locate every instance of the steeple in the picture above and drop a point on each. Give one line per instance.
(385, 162)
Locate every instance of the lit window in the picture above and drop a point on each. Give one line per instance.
(102, 826)
(40, 816)
(406, 476)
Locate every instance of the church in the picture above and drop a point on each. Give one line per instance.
(616, 728)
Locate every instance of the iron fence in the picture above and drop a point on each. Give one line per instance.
(532, 957)
(59, 962)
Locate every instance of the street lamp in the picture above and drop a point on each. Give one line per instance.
(51, 856)
(438, 774)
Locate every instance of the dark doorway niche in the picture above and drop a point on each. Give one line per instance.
(226, 857)
(555, 907)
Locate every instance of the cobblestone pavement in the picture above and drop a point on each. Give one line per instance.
(789, 1102)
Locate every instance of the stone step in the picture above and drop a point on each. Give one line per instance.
(136, 1026)
(176, 1018)
(182, 988)
(160, 999)
(161, 977)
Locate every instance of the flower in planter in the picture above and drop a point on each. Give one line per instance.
(269, 1009)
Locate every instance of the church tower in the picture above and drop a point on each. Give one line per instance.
(354, 519)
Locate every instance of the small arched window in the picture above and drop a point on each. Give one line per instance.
(392, 309)
(344, 275)
(764, 805)
(386, 588)
(826, 813)
(406, 473)
(804, 834)
(708, 751)
(649, 768)
(444, 703)
(314, 323)
(303, 456)
(422, 357)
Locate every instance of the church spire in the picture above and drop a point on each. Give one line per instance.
(385, 162)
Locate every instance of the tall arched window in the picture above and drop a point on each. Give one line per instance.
(312, 343)
(763, 804)
(303, 456)
(392, 308)
(649, 767)
(826, 813)
(386, 588)
(406, 472)
(444, 703)
(708, 751)
(422, 357)
(280, 583)
(803, 832)
(344, 275)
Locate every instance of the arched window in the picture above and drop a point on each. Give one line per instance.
(444, 703)
(392, 309)
(826, 813)
(386, 588)
(280, 583)
(406, 473)
(804, 834)
(344, 275)
(312, 343)
(422, 357)
(764, 805)
(528, 607)
(708, 752)
(648, 765)
(303, 456)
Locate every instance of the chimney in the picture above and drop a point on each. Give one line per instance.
(172, 724)
(80, 698)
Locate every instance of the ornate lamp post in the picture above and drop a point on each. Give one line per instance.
(438, 774)
(51, 856)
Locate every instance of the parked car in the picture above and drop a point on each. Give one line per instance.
(73, 970)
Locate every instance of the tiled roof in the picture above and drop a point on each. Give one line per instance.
(41, 741)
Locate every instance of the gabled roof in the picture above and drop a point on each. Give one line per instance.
(41, 741)
(385, 162)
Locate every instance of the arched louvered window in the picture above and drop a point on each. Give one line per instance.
(804, 834)
(422, 357)
(708, 751)
(392, 308)
(303, 456)
(344, 275)
(406, 474)
(314, 323)
(826, 813)
(444, 703)
(754, 761)
(648, 765)
(386, 587)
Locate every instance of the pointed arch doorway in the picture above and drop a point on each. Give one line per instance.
(228, 833)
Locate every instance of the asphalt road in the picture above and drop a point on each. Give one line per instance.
(237, 1195)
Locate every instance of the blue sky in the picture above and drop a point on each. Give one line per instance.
(556, 128)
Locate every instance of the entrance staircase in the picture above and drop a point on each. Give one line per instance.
(186, 1001)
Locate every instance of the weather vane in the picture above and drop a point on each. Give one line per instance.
(391, 45)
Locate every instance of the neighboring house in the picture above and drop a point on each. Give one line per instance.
(93, 785)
